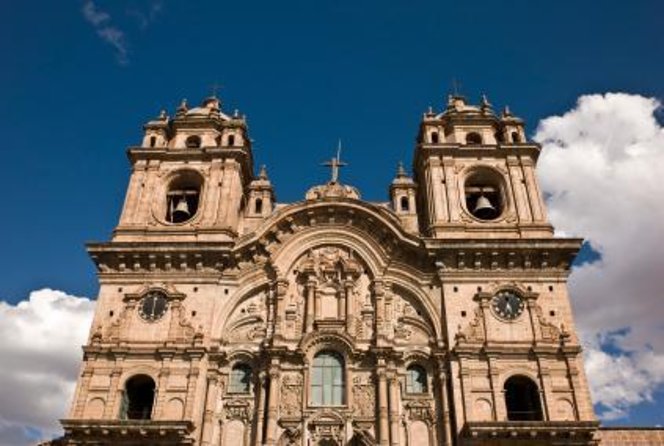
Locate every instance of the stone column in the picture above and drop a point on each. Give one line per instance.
(393, 382)
(311, 296)
(518, 193)
(341, 308)
(260, 408)
(273, 405)
(533, 191)
(383, 430)
(446, 434)
(208, 410)
(350, 305)
(111, 409)
(379, 297)
(281, 288)
(192, 380)
(82, 392)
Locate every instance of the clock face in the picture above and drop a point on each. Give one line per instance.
(153, 306)
(508, 305)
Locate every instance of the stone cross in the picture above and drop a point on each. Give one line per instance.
(334, 164)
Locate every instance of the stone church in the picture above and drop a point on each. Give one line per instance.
(439, 317)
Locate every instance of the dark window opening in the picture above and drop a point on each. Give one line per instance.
(434, 137)
(240, 379)
(258, 207)
(182, 198)
(416, 380)
(405, 207)
(515, 137)
(153, 141)
(473, 138)
(217, 140)
(231, 140)
(138, 398)
(499, 137)
(522, 399)
(193, 142)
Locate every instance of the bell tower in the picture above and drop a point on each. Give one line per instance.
(188, 176)
(476, 172)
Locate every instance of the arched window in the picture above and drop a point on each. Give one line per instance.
(327, 379)
(473, 138)
(404, 204)
(258, 208)
(484, 194)
(153, 141)
(522, 399)
(182, 198)
(217, 140)
(231, 140)
(240, 379)
(416, 379)
(515, 137)
(193, 142)
(434, 137)
(138, 398)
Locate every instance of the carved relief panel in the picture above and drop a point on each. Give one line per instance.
(330, 291)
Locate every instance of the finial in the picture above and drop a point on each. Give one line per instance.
(485, 101)
(162, 115)
(507, 111)
(430, 111)
(182, 108)
(401, 171)
(263, 172)
(236, 113)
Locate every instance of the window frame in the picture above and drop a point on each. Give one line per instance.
(328, 394)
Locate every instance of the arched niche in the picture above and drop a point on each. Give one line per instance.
(245, 319)
(414, 316)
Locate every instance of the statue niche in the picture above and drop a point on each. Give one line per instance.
(331, 283)
(247, 322)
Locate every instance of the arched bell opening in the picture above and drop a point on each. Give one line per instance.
(138, 398)
(183, 197)
(485, 194)
(473, 138)
(193, 142)
(522, 399)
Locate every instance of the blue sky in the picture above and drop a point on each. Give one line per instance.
(305, 73)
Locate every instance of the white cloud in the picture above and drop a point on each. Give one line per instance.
(602, 167)
(112, 35)
(40, 347)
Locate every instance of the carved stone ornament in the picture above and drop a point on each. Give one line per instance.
(548, 330)
(291, 395)
(473, 332)
(420, 410)
(364, 396)
(238, 409)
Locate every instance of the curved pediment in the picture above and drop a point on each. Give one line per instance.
(375, 227)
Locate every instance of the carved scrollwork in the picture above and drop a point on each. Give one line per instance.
(291, 395)
(364, 396)
(473, 332)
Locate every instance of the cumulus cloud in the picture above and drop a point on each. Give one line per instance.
(40, 347)
(601, 169)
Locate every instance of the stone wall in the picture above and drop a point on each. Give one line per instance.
(631, 436)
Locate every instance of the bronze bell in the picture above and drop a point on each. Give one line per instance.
(484, 209)
(181, 210)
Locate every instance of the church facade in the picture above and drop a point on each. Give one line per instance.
(440, 317)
